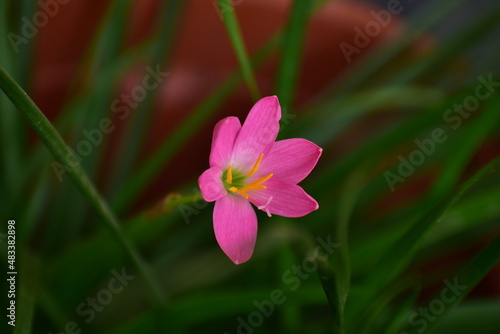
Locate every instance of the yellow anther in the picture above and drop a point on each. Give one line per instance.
(241, 192)
(229, 178)
(256, 185)
(256, 165)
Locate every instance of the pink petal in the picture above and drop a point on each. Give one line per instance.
(211, 185)
(235, 227)
(258, 133)
(290, 160)
(225, 133)
(283, 198)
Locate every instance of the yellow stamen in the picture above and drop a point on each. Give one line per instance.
(229, 179)
(241, 192)
(256, 165)
(256, 185)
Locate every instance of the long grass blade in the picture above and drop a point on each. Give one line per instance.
(397, 258)
(466, 280)
(293, 40)
(10, 139)
(65, 157)
(137, 126)
(233, 29)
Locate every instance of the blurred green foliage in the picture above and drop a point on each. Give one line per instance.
(374, 281)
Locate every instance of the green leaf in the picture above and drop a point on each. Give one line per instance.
(65, 157)
(342, 264)
(325, 121)
(405, 287)
(293, 40)
(428, 15)
(104, 48)
(336, 276)
(231, 23)
(467, 278)
(463, 39)
(377, 146)
(11, 138)
(398, 257)
(471, 317)
(465, 147)
(138, 122)
(29, 276)
(25, 311)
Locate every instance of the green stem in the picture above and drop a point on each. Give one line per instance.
(65, 157)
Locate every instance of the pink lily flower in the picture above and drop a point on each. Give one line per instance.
(248, 165)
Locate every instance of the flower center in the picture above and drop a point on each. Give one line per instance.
(235, 181)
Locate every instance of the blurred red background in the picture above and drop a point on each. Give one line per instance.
(202, 58)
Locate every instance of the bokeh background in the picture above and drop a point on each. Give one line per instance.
(413, 217)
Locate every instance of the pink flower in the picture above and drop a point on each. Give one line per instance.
(248, 165)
